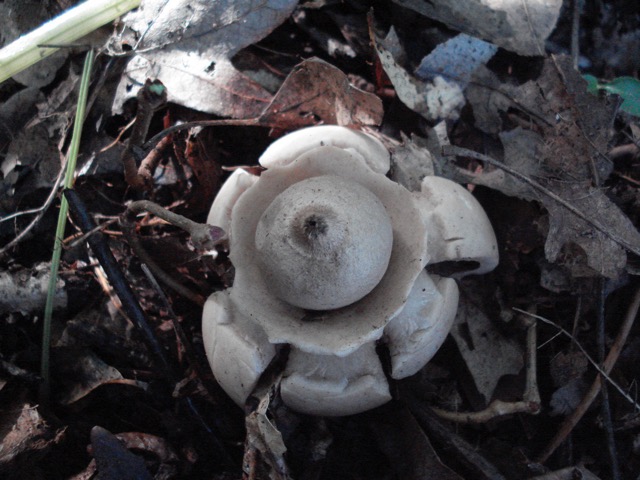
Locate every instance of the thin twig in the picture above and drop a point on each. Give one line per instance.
(133, 310)
(451, 150)
(575, 32)
(605, 409)
(601, 371)
(204, 237)
(151, 97)
(530, 402)
(572, 420)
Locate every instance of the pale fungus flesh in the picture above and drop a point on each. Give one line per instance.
(329, 258)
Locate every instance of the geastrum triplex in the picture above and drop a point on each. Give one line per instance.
(330, 259)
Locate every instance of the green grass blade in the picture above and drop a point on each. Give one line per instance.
(62, 220)
(64, 29)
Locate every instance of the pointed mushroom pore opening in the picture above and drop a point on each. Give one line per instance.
(324, 243)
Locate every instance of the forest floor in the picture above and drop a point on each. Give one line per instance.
(539, 378)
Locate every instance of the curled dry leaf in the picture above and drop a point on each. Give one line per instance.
(520, 27)
(316, 90)
(263, 437)
(434, 100)
(188, 45)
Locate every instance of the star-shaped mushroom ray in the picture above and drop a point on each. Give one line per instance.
(342, 330)
(334, 386)
(232, 188)
(237, 349)
(417, 332)
(291, 146)
(459, 229)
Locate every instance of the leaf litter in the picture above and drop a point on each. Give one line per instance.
(443, 85)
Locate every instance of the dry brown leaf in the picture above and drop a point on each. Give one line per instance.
(83, 372)
(317, 91)
(24, 433)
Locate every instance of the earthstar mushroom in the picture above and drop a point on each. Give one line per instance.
(329, 258)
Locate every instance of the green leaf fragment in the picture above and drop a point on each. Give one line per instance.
(627, 88)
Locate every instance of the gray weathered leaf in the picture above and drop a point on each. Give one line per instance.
(434, 100)
(188, 46)
(487, 353)
(520, 26)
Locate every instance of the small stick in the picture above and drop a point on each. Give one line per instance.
(203, 236)
(151, 97)
(529, 404)
(572, 420)
(605, 407)
(99, 245)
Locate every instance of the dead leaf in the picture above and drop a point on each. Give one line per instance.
(188, 45)
(263, 437)
(434, 100)
(25, 290)
(197, 83)
(487, 353)
(411, 162)
(25, 435)
(521, 27)
(317, 91)
(408, 448)
(562, 151)
(81, 372)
